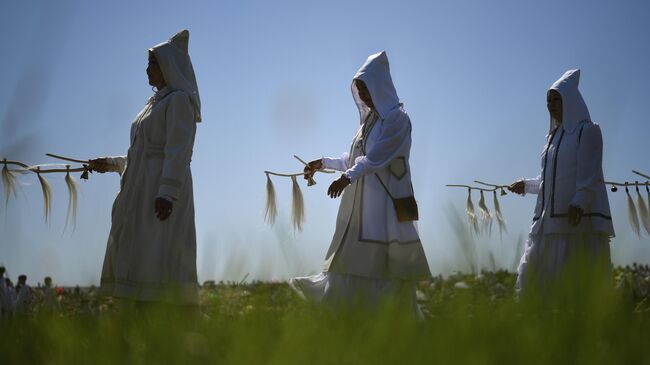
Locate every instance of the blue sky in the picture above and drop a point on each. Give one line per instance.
(274, 78)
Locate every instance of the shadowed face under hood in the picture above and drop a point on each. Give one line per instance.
(176, 67)
(574, 109)
(375, 73)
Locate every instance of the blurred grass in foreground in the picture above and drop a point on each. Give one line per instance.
(471, 319)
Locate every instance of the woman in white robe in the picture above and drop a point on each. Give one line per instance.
(372, 255)
(151, 249)
(572, 221)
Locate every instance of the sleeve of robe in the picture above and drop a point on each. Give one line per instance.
(590, 159)
(531, 186)
(336, 163)
(116, 164)
(180, 130)
(394, 134)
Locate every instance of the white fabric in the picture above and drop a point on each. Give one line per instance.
(369, 241)
(116, 164)
(372, 255)
(571, 170)
(375, 73)
(545, 256)
(148, 259)
(177, 69)
(335, 290)
(574, 109)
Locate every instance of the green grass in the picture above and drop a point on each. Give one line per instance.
(266, 323)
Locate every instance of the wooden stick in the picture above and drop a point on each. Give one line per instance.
(493, 185)
(284, 175)
(66, 158)
(615, 183)
(297, 173)
(77, 169)
(469, 187)
(641, 174)
(41, 171)
(9, 162)
(299, 159)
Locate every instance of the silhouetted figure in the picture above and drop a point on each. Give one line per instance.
(376, 250)
(572, 221)
(23, 295)
(50, 299)
(151, 249)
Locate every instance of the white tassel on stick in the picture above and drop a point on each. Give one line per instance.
(499, 215)
(471, 214)
(647, 190)
(9, 183)
(486, 217)
(298, 206)
(632, 215)
(271, 208)
(72, 201)
(47, 195)
(643, 211)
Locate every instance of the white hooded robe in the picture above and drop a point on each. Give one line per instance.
(571, 174)
(148, 259)
(371, 251)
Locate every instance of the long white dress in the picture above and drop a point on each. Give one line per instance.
(372, 255)
(571, 175)
(148, 259)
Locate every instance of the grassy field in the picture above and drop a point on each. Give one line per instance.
(470, 320)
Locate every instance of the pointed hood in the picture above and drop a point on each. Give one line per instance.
(375, 73)
(574, 109)
(176, 66)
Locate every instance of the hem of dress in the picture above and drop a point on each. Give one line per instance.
(414, 278)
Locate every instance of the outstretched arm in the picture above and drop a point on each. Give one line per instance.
(108, 164)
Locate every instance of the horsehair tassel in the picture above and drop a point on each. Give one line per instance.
(9, 182)
(47, 194)
(72, 201)
(486, 217)
(298, 206)
(271, 208)
(632, 215)
(643, 211)
(471, 214)
(498, 214)
(647, 190)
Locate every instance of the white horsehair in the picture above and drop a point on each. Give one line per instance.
(632, 214)
(271, 211)
(297, 206)
(498, 215)
(71, 183)
(486, 216)
(471, 213)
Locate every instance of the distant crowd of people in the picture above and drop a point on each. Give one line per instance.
(21, 298)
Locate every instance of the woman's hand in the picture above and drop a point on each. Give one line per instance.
(338, 186)
(518, 187)
(100, 165)
(310, 170)
(163, 208)
(312, 167)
